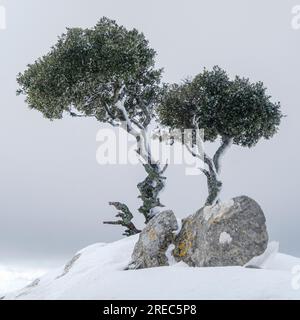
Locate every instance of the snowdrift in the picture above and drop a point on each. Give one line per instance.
(97, 272)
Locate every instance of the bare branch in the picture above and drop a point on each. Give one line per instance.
(135, 122)
(145, 110)
(76, 115)
(205, 172)
(162, 171)
(192, 152)
(129, 127)
(113, 117)
(126, 219)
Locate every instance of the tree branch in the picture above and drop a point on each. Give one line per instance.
(129, 127)
(210, 164)
(135, 122)
(145, 110)
(113, 117)
(193, 153)
(162, 171)
(206, 172)
(126, 219)
(76, 115)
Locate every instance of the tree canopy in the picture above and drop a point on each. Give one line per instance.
(108, 72)
(231, 109)
(236, 111)
(89, 71)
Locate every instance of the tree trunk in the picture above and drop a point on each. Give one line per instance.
(214, 190)
(212, 174)
(154, 182)
(150, 189)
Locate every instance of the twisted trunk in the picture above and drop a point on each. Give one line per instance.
(214, 184)
(154, 183)
(150, 189)
(213, 170)
(212, 174)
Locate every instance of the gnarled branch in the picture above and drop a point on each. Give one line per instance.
(150, 189)
(126, 219)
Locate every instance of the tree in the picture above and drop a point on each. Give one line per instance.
(235, 111)
(107, 73)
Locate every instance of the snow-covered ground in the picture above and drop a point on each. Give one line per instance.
(13, 278)
(97, 272)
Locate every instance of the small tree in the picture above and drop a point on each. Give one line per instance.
(234, 111)
(107, 73)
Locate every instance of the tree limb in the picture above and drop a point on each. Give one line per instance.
(206, 172)
(193, 153)
(145, 110)
(126, 219)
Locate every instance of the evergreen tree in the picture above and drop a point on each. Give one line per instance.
(107, 73)
(234, 111)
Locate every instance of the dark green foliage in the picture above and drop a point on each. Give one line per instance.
(236, 111)
(89, 70)
(108, 73)
(224, 108)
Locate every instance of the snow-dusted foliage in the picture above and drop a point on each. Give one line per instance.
(108, 73)
(235, 111)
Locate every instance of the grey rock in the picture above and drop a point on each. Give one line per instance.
(227, 234)
(69, 265)
(28, 288)
(154, 240)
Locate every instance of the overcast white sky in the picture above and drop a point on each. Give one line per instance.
(54, 195)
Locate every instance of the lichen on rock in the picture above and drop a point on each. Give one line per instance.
(154, 241)
(227, 234)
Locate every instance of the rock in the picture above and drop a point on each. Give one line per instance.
(264, 259)
(227, 234)
(154, 240)
(28, 288)
(69, 265)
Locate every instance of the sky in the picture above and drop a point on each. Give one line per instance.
(53, 193)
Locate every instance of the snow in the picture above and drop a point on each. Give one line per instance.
(13, 278)
(217, 210)
(170, 257)
(99, 273)
(179, 223)
(267, 258)
(225, 238)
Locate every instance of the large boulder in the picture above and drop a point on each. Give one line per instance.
(154, 240)
(227, 234)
